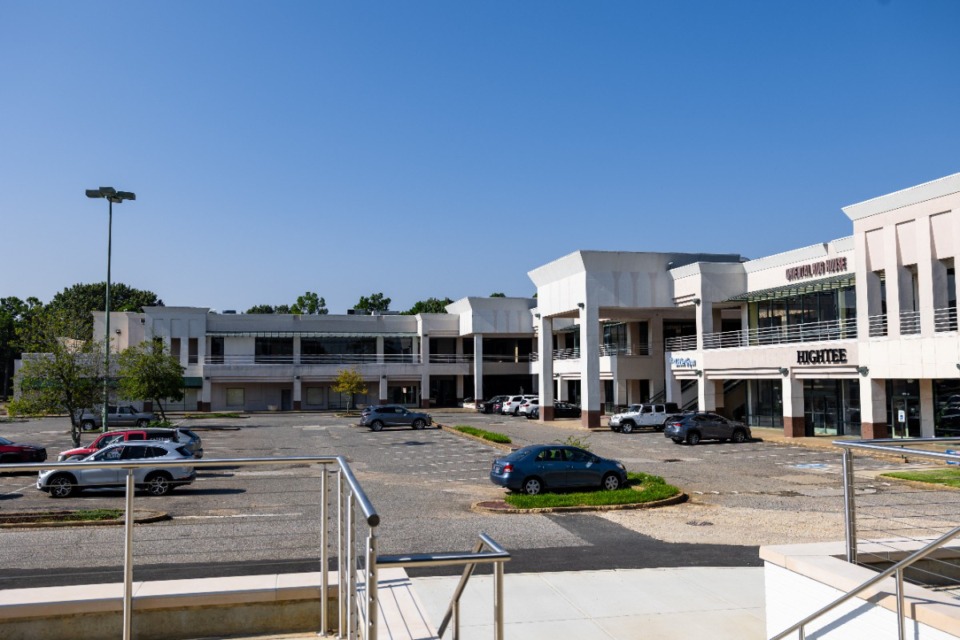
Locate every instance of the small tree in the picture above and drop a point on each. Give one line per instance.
(62, 374)
(148, 372)
(310, 304)
(430, 305)
(376, 302)
(350, 381)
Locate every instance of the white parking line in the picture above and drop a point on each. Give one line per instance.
(20, 490)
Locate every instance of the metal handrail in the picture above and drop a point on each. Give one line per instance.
(496, 556)
(886, 573)
(314, 358)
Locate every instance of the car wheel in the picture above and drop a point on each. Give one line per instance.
(61, 486)
(418, 424)
(626, 427)
(739, 435)
(611, 482)
(88, 425)
(158, 484)
(142, 423)
(677, 440)
(376, 425)
(693, 438)
(532, 486)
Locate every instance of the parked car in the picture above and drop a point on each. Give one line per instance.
(539, 467)
(117, 416)
(561, 409)
(694, 426)
(192, 441)
(157, 481)
(643, 415)
(11, 452)
(394, 415)
(491, 405)
(511, 406)
(108, 438)
(528, 405)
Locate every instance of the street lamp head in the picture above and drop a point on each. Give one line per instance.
(111, 194)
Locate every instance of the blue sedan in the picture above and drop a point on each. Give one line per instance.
(538, 467)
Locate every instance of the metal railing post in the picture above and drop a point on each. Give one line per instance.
(342, 595)
(324, 553)
(900, 620)
(498, 600)
(351, 570)
(849, 506)
(128, 560)
(372, 594)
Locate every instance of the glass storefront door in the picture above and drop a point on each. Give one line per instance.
(903, 408)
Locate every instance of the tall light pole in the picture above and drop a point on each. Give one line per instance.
(112, 195)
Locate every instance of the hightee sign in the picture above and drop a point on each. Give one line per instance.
(822, 356)
(816, 269)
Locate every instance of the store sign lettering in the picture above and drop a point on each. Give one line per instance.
(822, 356)
(683, 362)
(816, 269)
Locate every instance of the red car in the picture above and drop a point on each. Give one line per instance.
(12, 452)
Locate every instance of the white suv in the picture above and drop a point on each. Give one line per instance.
(512, 405)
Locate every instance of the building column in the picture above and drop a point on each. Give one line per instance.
(591, 409)
(425, 371)
(562, 395)
(205, 395)
(674, 391)
(894, 280)
(380, 349)
(297, 387)
(704, 316)
(296, 349)
(545, 366)
(384, 395)
(794, 423)
(926, 408)
(478, 366)
(925, 277)
(706, 393)
(873, 409)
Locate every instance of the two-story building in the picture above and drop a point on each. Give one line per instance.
(853, 336)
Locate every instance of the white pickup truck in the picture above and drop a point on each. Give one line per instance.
(122, 416)
(643, 415)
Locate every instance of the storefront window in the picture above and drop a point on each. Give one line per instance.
(946, 403)
(831, 407)
(764, 403)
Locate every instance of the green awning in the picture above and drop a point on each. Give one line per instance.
(192, 382)
(797, 288)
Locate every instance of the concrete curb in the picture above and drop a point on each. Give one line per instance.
(493, 506)
(498, 445)
(140, 517)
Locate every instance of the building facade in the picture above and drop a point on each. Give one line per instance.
(853, 336)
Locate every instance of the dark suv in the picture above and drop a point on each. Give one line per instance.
(695, 426)
(393, 415)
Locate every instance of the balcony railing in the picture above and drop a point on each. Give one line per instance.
(451, 358)
(508, 357)
(945, 319)
(681, 343)
(909, 322)
(791, 333)
(878, 325)
(316, 358)
(624, 350)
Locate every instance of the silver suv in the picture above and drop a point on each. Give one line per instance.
(393, 415)
(157, 481)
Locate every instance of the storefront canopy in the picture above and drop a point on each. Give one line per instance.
(796, 288)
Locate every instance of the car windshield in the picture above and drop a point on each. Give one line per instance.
(5, 441)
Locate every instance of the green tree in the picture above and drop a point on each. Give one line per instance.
(148, 372)
(430, 305)
(81, 299)
(351, 382)
(62, 374)
(310, 304)
(498, 295)
(376, 302)
(261, 308)
(14, 315)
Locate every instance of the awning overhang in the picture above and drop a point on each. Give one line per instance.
(796, 288)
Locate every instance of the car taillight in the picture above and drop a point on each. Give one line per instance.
(507, 468)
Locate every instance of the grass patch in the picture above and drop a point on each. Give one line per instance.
(486, 435)
(947, 477)
(640, 488)
(201, 416)
(82, 515)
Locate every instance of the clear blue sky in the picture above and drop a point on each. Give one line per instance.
(431, 149)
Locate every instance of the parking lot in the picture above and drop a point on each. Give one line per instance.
(423, 484)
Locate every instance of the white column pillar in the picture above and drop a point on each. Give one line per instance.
(926, 408)
(873, 409)
(704, 316)
(296, 350)
(425, 371)
(591, 409)
(545, 367)
(891, 268)
(925, 277)
(868, 289)
(673, 391)
(794, 423)
(205, 394)
(384, 393)
(379, 349)
(478, 366)
(706, 394)
(297, 387)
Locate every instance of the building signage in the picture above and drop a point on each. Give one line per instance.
(816, 269)
(683, 362)
(822, 356)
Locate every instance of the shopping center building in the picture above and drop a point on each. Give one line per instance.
(857, 335)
